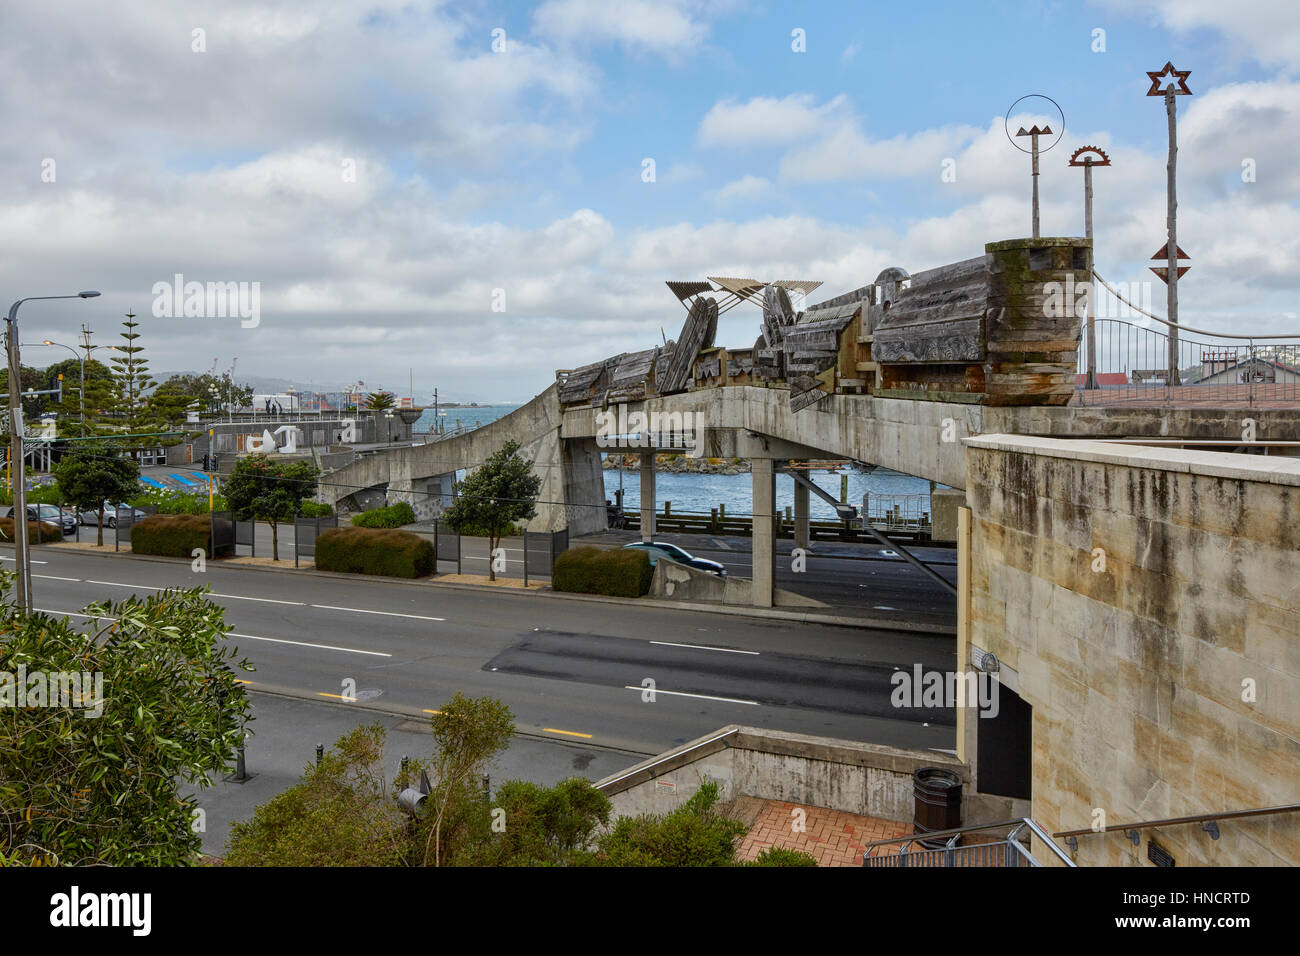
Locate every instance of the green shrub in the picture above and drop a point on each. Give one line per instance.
(779, 856)
(397, 554)
(692, 835)
(612, 571)
(48, 532)
(173, 536)
(314, 509)
(392, 516)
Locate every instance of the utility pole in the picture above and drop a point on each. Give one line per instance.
(1176, 86)
(21, 563)
(1087, 163)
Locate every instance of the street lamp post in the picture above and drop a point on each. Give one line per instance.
(21, 564)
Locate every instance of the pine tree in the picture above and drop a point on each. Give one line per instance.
(132, 373)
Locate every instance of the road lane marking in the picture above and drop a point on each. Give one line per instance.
(32, 560)
(118, 584)
(325, 647)
(351, 700)
(54, 577)
(571, 733)
(241, 597)
(428, 711)
(704, 647)
(361, 610)
(250, 637)
(678, 693)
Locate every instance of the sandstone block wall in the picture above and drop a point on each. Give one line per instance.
(1138, 595)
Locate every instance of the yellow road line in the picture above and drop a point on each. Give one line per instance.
(428, 711)
(351, 700)
(571, 733)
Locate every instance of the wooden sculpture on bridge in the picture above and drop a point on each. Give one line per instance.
(998, 329)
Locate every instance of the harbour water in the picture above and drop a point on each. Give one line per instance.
(700, 492)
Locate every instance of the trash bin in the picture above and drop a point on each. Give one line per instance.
(937, 803)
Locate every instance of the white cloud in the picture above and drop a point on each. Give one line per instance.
(645, 25)
(764, 119)
(1267, 30)
(745, 189)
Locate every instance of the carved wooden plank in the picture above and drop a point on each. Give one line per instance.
(697, 333)
(778, 314)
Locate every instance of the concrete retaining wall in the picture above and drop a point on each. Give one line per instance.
(1146, 604)
(815, 771)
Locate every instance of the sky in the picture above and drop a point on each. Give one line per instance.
(476, 194)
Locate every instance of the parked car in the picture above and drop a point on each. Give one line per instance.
(51, 515)
(662, 549)
(91, 518)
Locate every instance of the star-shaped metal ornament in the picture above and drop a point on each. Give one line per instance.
(1177, 80)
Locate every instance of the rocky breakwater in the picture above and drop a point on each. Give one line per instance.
(682, 464)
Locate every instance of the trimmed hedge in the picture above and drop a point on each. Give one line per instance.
(314, 509)
(395, 554)
(48, 532)
(611, 571)
(173, 536)
(392, 516)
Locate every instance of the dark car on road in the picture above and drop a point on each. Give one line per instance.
(50, 515)
(90, 518)
(662, 549)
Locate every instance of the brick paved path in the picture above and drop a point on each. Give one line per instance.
(835, 838)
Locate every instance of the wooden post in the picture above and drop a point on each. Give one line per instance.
(1091, 381)
(1034, 152)
(1171, 110)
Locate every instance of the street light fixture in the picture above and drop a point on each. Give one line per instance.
(21, 563)
(81, 358)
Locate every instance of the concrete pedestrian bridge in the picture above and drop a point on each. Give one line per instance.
(898, 374)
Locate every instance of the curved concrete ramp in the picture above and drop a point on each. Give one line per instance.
(573, 484)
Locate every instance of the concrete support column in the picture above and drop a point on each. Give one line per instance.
(647, 496)
(764, 549)
(800, 516)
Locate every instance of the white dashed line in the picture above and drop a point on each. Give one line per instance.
(361, 610)
(704, 647)
(678, 693)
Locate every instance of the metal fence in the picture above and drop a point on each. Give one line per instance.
(897, 512)
(124, 519)
(246, 535)
(1133, 364)
(446, 546)
(541, 548)
(305, 533)
(223, 534)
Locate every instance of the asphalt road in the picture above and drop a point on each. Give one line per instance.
(866, 578)
(570, 670)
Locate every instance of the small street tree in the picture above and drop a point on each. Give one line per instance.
(379, 401)
(263, 489)
(469, 732)
(90, 476)
(93, 774)
(502, 491)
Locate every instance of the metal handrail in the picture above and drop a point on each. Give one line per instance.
(1186, 328)
(936, 834)
(1173, 821)
(953, 834)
